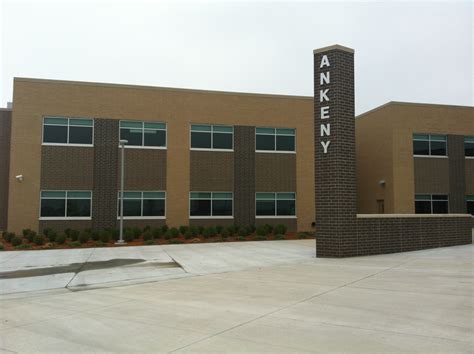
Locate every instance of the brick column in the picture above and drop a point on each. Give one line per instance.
(335, 159)
(457, 185)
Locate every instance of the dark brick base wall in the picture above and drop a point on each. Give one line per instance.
(61, 225)
(5, 132)
(379, 235)
(291, 224)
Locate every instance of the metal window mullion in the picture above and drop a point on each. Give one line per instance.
(212, 147)
(67, 141)
(65, 204)
(143, 133)
(141, 194)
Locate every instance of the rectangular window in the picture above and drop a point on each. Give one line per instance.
(429, 145)
(143, 134)
(66, 204)
(275, 205)
(212, 137)
(68, 131)
(150, 205)
(469, 146)
(470, 204)
(211, 204)
(431, 204)
(275, 139)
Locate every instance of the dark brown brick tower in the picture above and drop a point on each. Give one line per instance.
(335, 159)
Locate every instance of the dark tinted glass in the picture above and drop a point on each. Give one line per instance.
(55, 134)
(132, 207)
(423, 207)
(222, 207)
(200, 140)
(265, 142)
(285, 143)
(265, 207)
(438, 148)
(200, 208)
(53, 207)
(78, 207)
(440, 207)
(421, 147)
(222, 141)
(134, 136)
(286, 207)
(469, 149)
(155, 137)
(153, 207)
(80, 135)
(470, 207)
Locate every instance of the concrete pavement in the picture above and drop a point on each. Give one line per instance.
(409, 302)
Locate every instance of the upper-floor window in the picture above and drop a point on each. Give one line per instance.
(469, 146)
(211, 204)
(275, 204)
(431, 145)
(216, 137)
(143, 134)
(68, 131)
(66, 204)
(143, 204)
(470, 204)
(431, 204)
(275, 139)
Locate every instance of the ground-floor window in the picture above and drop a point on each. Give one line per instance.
(143, 204)
(210, 204)
(431, 204)
(66, 204)
(275, 204)
(470, 204)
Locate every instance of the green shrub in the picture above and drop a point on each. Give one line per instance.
(268, 228)
(52, 235)
(175, 241)
(259, 238)
(244, 231)
(23, 246)
(84, 237)
(242, 238)
(16, 241)
(168, 235)
(39, 240)
(67, 232)
(95, 235)
(31, 236)
(188, 234)
(252, 228)
(147, 228)
(8, 236)
(61, 239)
(157, 233)
(304, 235)
(147, 235)
(75, 244)
(219, 228)
(46, 231)
(279, 237)
(194, 231)
(225, 233)
(183, 229)
(137, 232)
(74, 234)
(149, 242)
(209, 232)
(174, 232)
(201, 229)
(280, 229)
(232, 229)
(164, 228)
(128, 235)
(99, 244)
(2, 247)
(262, 231)
(25, 232)
(105, 236)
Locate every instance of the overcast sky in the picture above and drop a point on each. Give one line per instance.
(404, 51)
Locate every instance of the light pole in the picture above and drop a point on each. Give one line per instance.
(122, 175)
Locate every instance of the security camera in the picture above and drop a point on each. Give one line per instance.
(19, 178)
(382, 183)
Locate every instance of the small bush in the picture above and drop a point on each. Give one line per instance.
(95, 235)
(46, 231)
(61, 239)
(219, 228)
(128, 236)
(183, 229)
(2, 247)
(149, 242)
(23, 246)
(67, 232)
(147, 228)
(25, 232)
(209, 232)
(268, 228)
(174, 232)
(242, 238)
(175, 241)
(52, 235)
(252, 228)
(232, 229)
(157, 233)
(304, 235)
(137, 232)
(280, 229)
(262, 231)
(74, 235)
(39, 240)
(201, 229)
(168, 235)
(164, 228)
(259, 238)
(31, 236)
(8, 236)
(16, 241)
(244, 231)
(279, 237)
(188, 235)
(74, 244)
(84, 237)
(225, 233)
(114, 234)
(105, 236)
(147, 236)
(99, 244)
(194, 231)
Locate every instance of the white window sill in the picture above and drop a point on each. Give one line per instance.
(142, 217)
(72, 145)
(219, 150)
(66, 219)
(275, 152)
(211, 217)
(145, 147)
(275, 217)
(433, 156)
(469, 157)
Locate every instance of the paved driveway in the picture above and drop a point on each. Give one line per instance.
(409, 302)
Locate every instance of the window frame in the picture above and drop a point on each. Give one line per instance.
(431, 202)
(429, 145)
(65, 205)
(276, 207)
(163, 217)
(212, 137)
(143, 135)
(466, 138)
(275, 151)
(68, 125)
(197, 217)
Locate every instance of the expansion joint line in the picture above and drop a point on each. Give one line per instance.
(80, 268)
